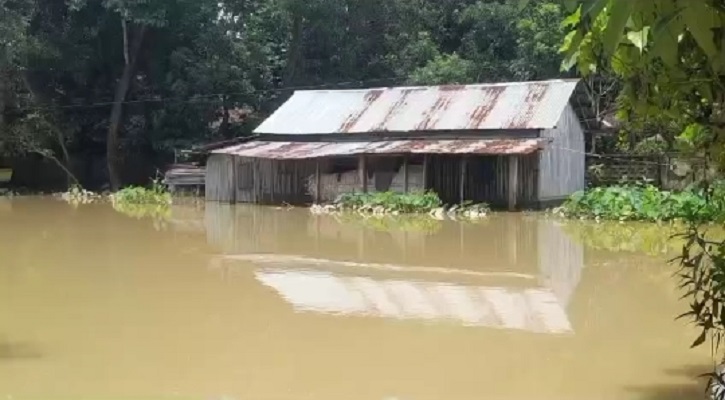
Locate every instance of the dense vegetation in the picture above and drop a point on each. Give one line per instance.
(647, 203)
(81, 79)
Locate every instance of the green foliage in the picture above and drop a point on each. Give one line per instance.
(444, 69)
(702, 274)
(666, 54)
(653, 145)
(390, 202)
(156, 195)
(208, 70)
(139, 202)
(647, 203)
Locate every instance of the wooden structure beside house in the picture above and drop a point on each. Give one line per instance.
(188, 172)
(507, 144)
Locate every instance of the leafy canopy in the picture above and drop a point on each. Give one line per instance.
(668, 54)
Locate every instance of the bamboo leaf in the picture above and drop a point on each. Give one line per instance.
(699, 22)
(592, 8)
(569, 62)
(573, 19)
(571, 5)
(665, 47)
(700, 339)
(664, 24)
(639, 38)
(618, 15)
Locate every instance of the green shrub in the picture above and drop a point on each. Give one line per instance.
(156, 194)
(140, 202)
(390, 202)
(647, 203)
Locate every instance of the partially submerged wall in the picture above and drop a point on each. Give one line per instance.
(220, 178)
(332, 185)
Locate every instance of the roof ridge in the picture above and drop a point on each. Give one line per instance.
(467, 85)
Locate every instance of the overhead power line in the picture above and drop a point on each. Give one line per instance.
(202, 98)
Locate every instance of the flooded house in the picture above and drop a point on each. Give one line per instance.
(515, 145)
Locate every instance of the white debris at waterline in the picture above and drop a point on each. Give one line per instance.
(471, 212)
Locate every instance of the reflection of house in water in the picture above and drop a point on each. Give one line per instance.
(450, 271)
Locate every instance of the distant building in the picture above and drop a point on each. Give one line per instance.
(508, 144)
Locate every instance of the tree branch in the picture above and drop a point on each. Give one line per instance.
(51, 157)
(124, 26)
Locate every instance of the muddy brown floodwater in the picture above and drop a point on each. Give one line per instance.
(261, 303)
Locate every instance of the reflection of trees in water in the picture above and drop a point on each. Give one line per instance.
(17, 350)
(634, 237)
(387, 223)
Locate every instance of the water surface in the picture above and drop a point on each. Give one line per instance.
(264, 303)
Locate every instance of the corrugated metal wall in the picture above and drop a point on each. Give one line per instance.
(562, 160)
(486, 179)
(220, 185)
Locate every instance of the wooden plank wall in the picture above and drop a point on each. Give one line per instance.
(269, 181)
(265, 181)
(563, 160)
(245, 180)
(485, 181)
(334, 184)
(220, 179)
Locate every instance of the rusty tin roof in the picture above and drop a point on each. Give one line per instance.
(498, 106)
(302, 150)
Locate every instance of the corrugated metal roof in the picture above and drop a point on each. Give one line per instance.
(499, 106)
(301, 150)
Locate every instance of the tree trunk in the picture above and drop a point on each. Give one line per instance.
(294, 53)
(112, 139)
(224, 126)
(65, 163)
(3, 99)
